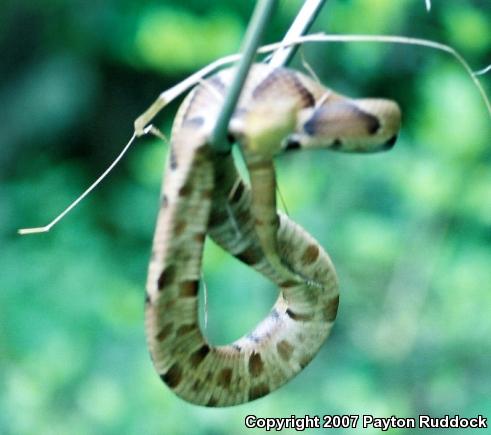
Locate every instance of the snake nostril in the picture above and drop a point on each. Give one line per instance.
(390, 143)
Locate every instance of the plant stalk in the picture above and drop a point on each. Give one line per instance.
(301, 25)
(263, 13)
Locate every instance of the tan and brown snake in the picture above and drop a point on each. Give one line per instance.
(203, 194)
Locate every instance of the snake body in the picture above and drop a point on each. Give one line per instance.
(203, 194)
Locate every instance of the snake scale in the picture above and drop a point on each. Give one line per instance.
(203, 194)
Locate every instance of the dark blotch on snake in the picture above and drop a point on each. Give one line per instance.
(212, 402)
(217, 83)
(185, 190)
(285, 350)
(298, 317)
(280, 81)
(372, 122)
(179, 227)
(310, 254)
(324, 118)
(311, 126)
(288, 283)
(200, 237)
(258, 391)
(308, 99)
(196, 385)
(164, 201)
(239, 112)
(253, 337)
(188, 289)
(273, 78)
(256, 365)
(331, 309)
(274, 314)
(172, 158)
(224, 378)
(173, 376)
(195, 122)
(165, 331)
(305, 360)
(251, 255)
(184, 329)
(166, 277)
(198, 356)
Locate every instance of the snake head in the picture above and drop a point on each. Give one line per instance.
(363, 126)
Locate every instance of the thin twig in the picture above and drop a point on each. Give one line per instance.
(46, 228)
(142, 127)
(260, 18)
(320, 37)
(307, 15)
(483, 71)
(172, 93)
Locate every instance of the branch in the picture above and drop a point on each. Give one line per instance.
(307, 15)
(483, 71)
(282, 56)
(260, 18)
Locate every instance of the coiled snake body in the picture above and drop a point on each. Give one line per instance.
(203, 194)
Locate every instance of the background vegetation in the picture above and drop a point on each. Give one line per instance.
(409, 230)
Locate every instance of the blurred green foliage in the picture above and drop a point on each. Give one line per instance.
(409, 231)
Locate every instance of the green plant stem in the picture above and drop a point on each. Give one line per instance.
(304, 19)
(263, 13)
(261, 16)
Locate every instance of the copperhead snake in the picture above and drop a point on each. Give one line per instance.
(203, 194)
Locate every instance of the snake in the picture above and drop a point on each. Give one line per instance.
(203, 195)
